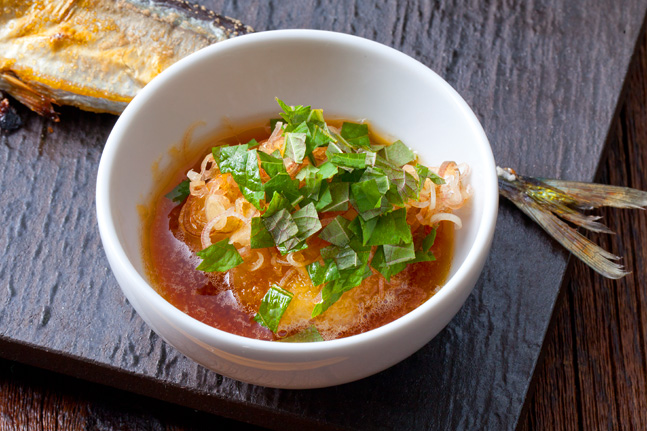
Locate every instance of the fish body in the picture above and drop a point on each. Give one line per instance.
(97, 54)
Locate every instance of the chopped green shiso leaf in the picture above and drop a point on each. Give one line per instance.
(272, 165)
(429, 240)
(337, 232)
(282, 183)
(295, 146)
(320, 274)
(308, 335)
(219, 257)
(242, 164)
(357, 173)
(260, 236)
(180, 192)
(424, 173)
(398, 154)
(380, 264)
(352, 160)
(273, 305)
(356, 135)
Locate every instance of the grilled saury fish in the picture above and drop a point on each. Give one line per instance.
(97, 54)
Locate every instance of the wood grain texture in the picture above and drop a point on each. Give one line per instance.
(594, 375)
(543, 77)
(37, 400)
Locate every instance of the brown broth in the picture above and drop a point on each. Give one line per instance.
(228, 301)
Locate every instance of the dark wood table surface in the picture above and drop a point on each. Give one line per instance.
(592, 374)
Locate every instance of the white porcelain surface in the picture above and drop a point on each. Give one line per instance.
(237, 80)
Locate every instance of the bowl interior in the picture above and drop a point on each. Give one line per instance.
(237, 81)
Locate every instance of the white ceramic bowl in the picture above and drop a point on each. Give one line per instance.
(238, 80)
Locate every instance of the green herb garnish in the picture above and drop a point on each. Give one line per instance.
(429, 240)
(273, 305)
(242, 164)
(320, 274)
(337, 232)
(308, 335)
(369, 178)
(295, 146)
(338, 198)
(424, 173)
(390, 228)
(281, 226)
(180, 192)
(282, 183)
(352, 160)
(398, 154)
(356, 135)
(271, 165)
(219, 257)
(379, 263)
(260, 236)
(307, 222)
(333, 290)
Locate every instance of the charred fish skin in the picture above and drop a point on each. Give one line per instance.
(97, 54)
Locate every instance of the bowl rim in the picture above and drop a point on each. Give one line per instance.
(454, 286)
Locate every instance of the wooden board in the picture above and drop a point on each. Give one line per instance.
(544, 79)
(594, 374)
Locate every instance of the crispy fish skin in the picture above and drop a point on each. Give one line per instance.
(97, 54)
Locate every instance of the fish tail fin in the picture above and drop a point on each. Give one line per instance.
(597, 195)
(545, 200)
(587, 222)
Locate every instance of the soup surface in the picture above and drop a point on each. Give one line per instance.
(231, 300)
